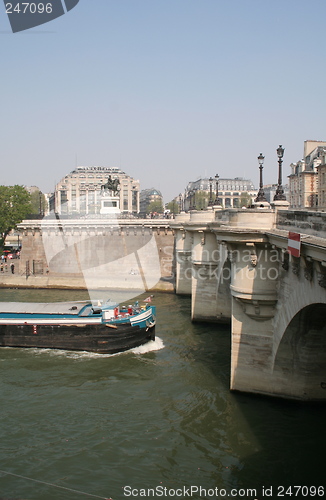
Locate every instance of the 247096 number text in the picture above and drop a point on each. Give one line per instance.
(29, 8)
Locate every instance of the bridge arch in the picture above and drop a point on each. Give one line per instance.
(294, 295)
(300, 361)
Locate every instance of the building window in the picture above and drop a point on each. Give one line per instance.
(134, 201)
(64, 200)
(110, 204)
(82, 202)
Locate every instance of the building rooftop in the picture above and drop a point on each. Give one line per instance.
(112, 170)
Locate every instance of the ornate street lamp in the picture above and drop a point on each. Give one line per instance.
(180, 203)
(279, 195)
(210, 201)
(261, 194)
(217, 201)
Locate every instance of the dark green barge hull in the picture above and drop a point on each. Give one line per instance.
(96, 338)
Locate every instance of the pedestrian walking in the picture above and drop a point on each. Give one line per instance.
(12, 267)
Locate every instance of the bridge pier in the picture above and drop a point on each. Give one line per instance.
(223, 291)
(204, 279)
(254, 297)
(183, 249)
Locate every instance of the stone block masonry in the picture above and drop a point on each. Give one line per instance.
(118, 254)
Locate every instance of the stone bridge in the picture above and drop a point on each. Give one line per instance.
(236, 266)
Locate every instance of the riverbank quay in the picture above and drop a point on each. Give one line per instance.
(56, 282)
(64, 283)
(94, 254)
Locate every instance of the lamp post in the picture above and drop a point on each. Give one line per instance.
(217, 201)
(180, 203)
(261, 194)
(210, 201)
(279, 195)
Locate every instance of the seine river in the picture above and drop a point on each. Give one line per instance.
(159, 422)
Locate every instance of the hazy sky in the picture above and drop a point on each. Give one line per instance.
(167, 90)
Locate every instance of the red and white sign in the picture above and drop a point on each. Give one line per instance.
(294, 244)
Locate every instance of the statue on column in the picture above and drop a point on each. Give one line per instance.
(112, 185)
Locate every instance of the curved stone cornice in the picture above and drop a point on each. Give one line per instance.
(249, 294)
(259, 310)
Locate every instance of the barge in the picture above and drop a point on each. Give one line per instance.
(104, 328)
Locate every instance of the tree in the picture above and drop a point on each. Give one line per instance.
(155, 206)
(201, 200)
(245, 199)
(15, 205)
(173, 206)
(39, 203)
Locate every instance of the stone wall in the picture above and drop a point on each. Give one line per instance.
(120, 255)
(313, 223)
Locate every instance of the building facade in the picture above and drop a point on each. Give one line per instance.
(230, 191)
(147, 196)
(322, 183)
(79, 192)
(306, 175)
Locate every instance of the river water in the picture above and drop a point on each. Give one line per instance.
(152, 423)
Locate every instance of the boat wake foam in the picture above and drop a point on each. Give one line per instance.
(152, 345)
